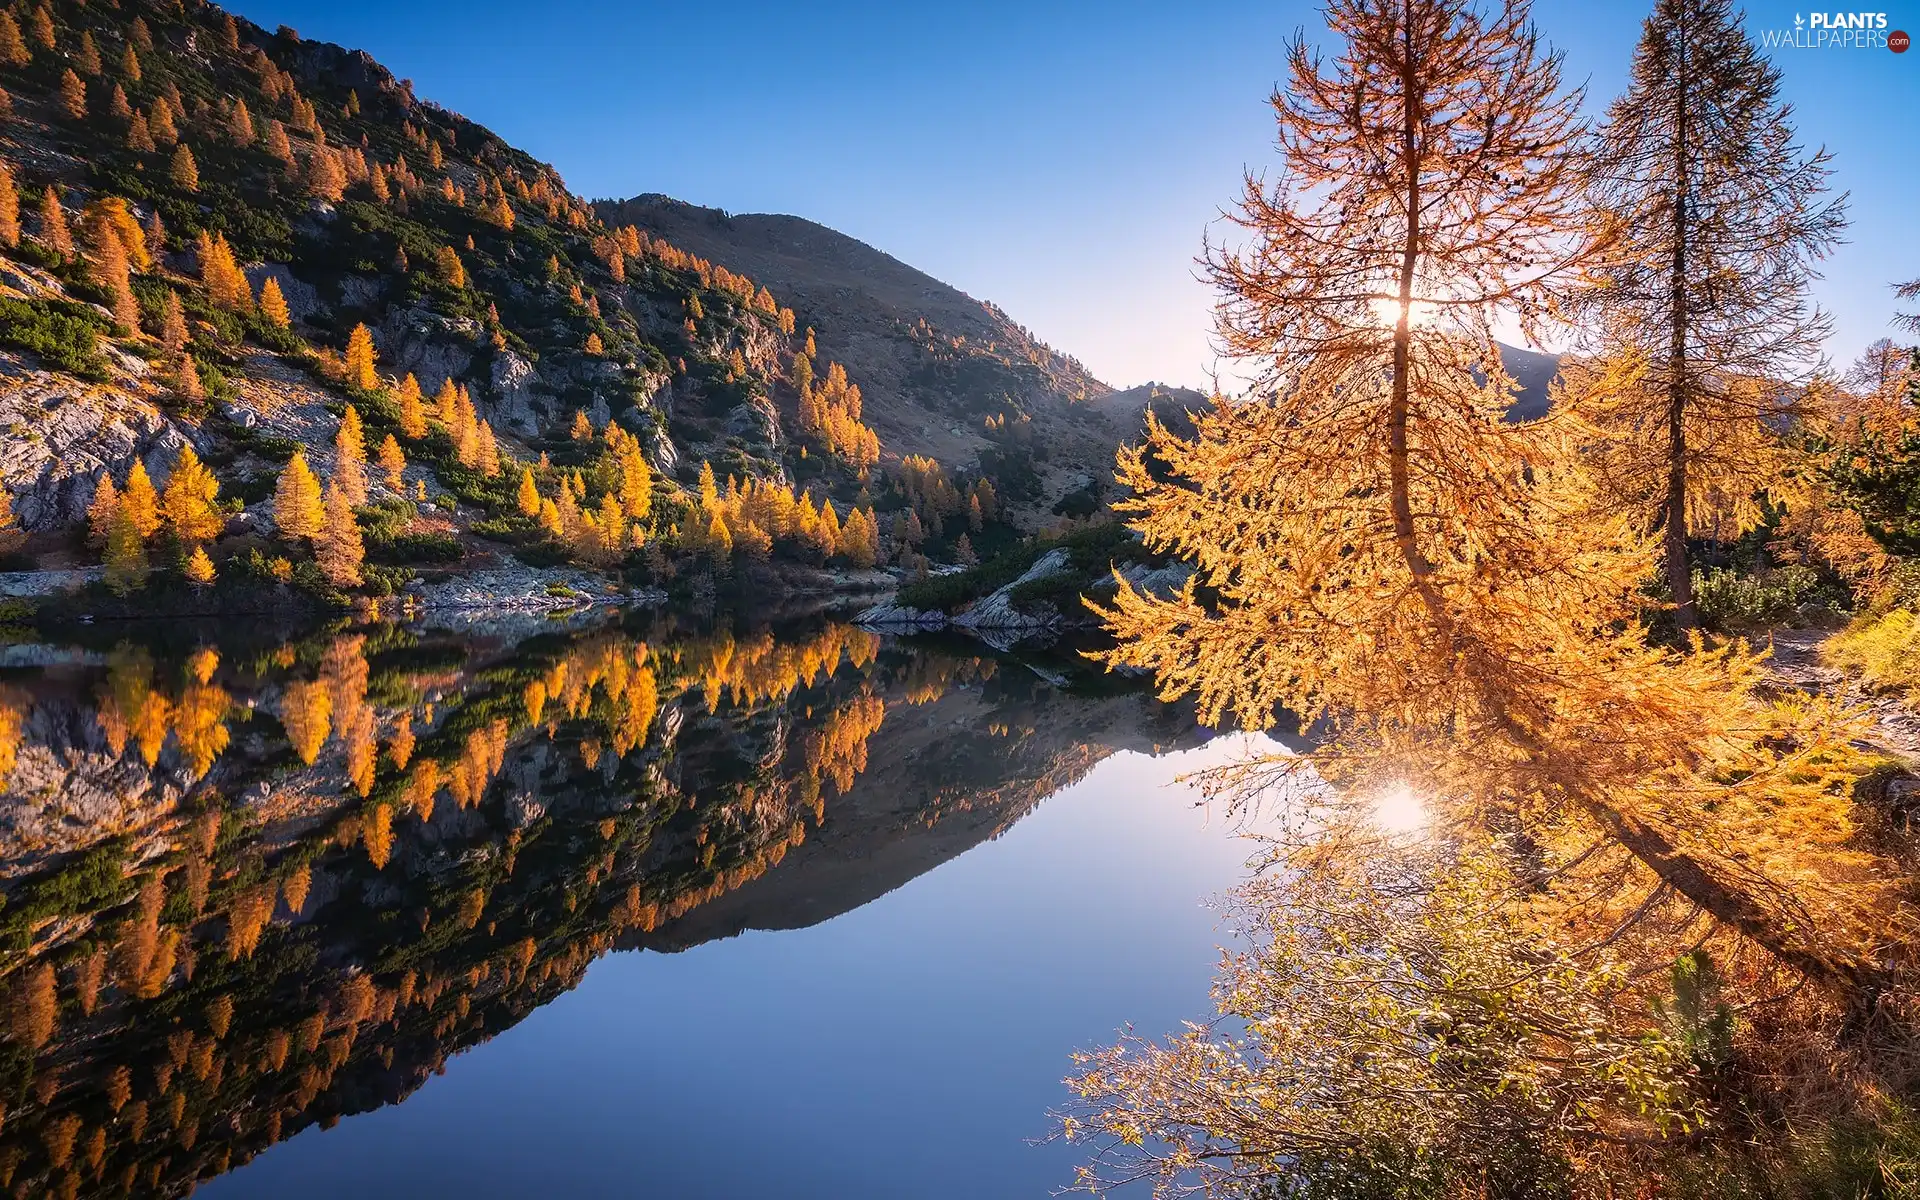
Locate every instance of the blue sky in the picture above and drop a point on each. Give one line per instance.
(1062, 159)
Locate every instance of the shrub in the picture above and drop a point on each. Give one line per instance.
(61, 332)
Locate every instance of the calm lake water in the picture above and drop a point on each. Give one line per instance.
(826, 920)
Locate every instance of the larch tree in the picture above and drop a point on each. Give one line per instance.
(183, 172)
(54, 233)
(360, 359)
(140, 502)
(73, 96)
(189, 503)
(297, 507)
(1722, 218)
(13, 47)
(107, 264)
(100, 513)
(339, 548)
(350, 457)
(273, 304)
(173, 326)
(393, 463)
(413, 414)
(527, 499)
(126, 552)
(9, 208)
(1379, 549)
(199, 570)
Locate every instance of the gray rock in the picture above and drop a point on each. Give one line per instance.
(303, 299)
(513, 398)
(59, 434)
(430, 347)
(997, 612)
(898, 618)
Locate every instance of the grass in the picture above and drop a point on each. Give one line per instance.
(1882, 651)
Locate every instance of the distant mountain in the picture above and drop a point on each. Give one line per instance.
(943, 374)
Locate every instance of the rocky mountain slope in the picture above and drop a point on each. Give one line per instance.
(945, 375)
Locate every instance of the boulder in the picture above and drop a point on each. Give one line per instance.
(514, 406)
(423, 343)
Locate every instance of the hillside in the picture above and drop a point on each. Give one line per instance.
(221, 239)
(945, 375)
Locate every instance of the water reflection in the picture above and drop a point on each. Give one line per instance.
(251, 888)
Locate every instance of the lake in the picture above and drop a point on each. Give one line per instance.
(798, 911)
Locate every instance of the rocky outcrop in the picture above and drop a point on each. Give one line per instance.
(59, 434)
(998, 613)
(303, 299)
(430, 347)
(514, 404)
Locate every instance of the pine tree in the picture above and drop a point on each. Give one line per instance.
(139, 502)
(339, 548)
(413, 415)
(393, 461)
(54, 234)
(350, 457)
(360, 359)
(1722, 221)
(527, 499)
(273, 305)
(183, 171)
(189, 503)
(73, 96)
(297, 506)
(9, 209)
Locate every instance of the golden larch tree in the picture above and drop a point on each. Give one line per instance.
(189, 505)
(183, 171)
(360, 359)
(339, 548)
(350, 457)
(297, 508)
(393, 462)
(273, 304)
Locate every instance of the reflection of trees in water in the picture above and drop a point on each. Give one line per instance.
(434, 839)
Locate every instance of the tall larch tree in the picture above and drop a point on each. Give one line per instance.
(73, 96)
(360, 359)
(1723, 218)
(413, 413)
(297, 506)
(1381, 548)
(393, 463)
(183, 171)
(9, 208)
(340, 549)
(273, 304)
(140, 502)
(54, 232)
(350, 457)
(189, 503)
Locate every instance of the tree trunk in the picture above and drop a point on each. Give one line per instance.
(1400, 498)
(1679, 574)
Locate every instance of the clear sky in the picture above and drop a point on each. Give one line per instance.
(1060, 157)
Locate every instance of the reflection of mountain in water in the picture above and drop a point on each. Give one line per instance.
(254, 891)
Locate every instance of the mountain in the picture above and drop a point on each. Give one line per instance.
(207, 227)
(944, 375)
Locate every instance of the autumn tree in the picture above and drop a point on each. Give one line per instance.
(339, 547)
(273, 305)
(1379, 549)
(527, 498)
(54, 233)
(360, 359)
(393, 462)
(350, 457)
(140, 502)
(189, 504)
(1722, 220)
(413, 414)
(73, 96)
(298, 511)
(9, 208)
(183, 171)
